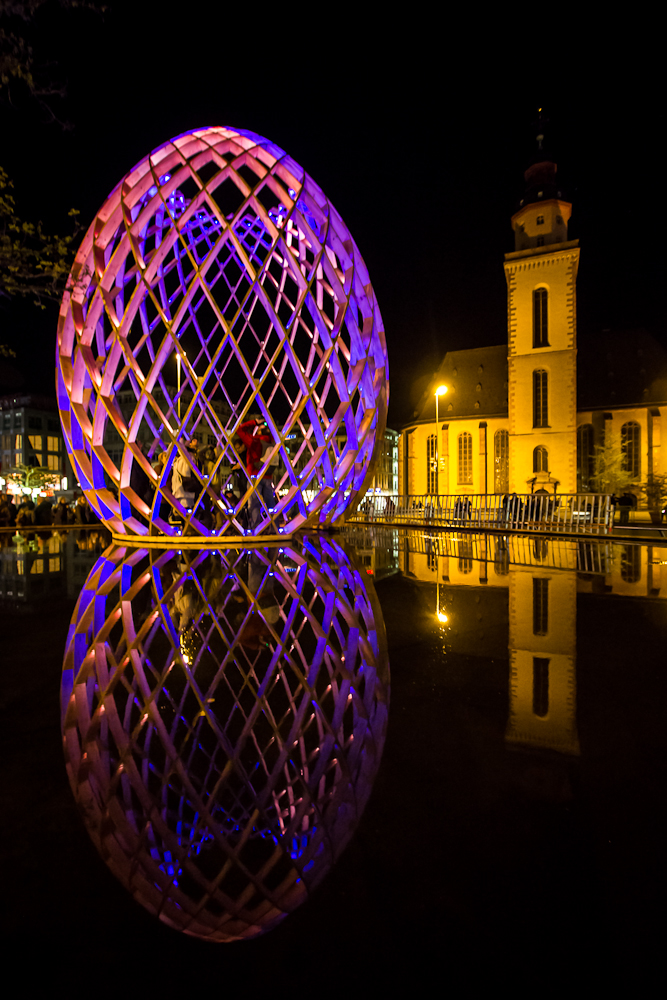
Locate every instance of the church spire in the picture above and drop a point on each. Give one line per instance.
(543, 213)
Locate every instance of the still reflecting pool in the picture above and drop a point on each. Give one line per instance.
(224, 716)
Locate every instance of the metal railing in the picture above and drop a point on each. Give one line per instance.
(569, 513)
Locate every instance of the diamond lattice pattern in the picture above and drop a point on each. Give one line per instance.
(223, 717)
(215, 286)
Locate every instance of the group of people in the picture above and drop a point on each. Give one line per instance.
(28, 514)
(229, 484)
(625, 503)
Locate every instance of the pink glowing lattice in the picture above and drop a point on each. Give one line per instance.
(224, 716)
(218, 285)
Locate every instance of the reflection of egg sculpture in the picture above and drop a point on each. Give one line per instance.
(224, 715)
(217, 297)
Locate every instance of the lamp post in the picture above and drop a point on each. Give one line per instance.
(440, 391)
(178, 383)
(178, 380)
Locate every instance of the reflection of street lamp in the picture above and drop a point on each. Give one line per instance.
(440, 615)
(440, 391)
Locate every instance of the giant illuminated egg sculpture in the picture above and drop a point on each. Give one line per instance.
(224, 715)
(220, 332)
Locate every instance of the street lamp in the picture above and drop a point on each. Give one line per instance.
(440, 391)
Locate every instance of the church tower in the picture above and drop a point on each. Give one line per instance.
(542, 335)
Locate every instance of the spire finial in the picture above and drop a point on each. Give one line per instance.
(542, 120)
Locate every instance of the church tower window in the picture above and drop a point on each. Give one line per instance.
(540, 686)
(540, 399)
(540, 459)
(630, 446)
(501, 443)
(465, 459)
(540, 318)
(540, 606)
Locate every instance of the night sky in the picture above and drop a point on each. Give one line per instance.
(419, 138)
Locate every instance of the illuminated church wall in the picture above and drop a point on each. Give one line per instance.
(624, 380)
(542, 643)
(454, 475)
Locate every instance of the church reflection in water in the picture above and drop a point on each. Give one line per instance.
(224, 714)
(517, 596)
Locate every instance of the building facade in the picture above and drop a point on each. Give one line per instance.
(31, 435)
(529, 414)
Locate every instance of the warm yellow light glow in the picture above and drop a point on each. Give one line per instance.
(442, 617)
(441, 390)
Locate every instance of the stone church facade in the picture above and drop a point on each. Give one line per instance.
(528, 414)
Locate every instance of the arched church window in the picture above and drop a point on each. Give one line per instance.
(465, 458)
(540, 459)
(431, 465)
(585, 457)
(465, 555)
(631, 436)
(540, 399)
(540, 317)
(631, 563)
(540, 549)
(501, 443)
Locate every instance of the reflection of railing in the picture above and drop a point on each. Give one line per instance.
(580, 513)
(501, 551)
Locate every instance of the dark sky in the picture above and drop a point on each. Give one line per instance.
(418, 137)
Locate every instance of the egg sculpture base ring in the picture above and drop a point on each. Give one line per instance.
(221, 361)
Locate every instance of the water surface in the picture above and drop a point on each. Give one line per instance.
(518, 816)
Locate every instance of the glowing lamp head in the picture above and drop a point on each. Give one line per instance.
(442, 617)
(441, 390)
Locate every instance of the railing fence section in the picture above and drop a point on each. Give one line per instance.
(569, 513)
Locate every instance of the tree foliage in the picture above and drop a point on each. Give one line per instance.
(31, 476)
(18, 65)
(609, 472)
(655, 490)
(33, 263)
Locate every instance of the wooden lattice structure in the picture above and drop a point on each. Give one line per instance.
(217, 284)
(224, 715)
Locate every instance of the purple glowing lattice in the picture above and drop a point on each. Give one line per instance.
(224, 715)
(218, 285)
